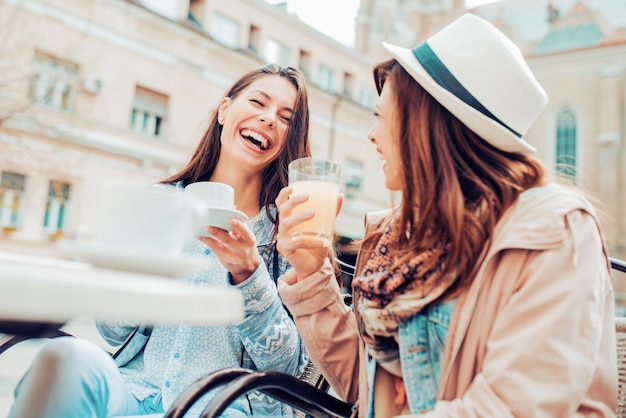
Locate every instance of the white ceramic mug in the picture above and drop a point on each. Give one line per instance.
(212, 194)
(145, 220)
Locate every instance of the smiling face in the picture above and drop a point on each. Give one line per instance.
(384, 135)
(256, 121)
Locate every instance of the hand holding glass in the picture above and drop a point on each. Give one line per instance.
(319, 179)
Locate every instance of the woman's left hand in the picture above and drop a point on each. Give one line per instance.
(236, 249)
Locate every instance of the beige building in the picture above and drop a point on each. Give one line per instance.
(94, 92)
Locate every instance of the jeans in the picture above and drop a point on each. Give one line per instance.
(70, 378)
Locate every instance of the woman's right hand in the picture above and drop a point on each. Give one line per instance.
(305, 256)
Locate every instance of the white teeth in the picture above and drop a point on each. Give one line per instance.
(257, 137)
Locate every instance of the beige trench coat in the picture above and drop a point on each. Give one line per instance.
(533, 336)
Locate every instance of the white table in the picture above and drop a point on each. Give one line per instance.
(34, 290)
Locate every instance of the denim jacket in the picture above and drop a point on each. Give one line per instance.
(422, 341)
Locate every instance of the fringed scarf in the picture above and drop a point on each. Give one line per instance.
(386, 297)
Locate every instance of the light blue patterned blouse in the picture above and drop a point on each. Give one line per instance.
(175, 356)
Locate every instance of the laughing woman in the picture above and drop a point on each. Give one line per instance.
(487, 292)
(260, 125)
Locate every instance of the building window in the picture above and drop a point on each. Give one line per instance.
(353, 176)
(225, 30)
(367, 98)
(11, 192)
(149, 112)
(304, 63)
(277, 53)
(54, 82)
(254, 40)
(348, 81)
(56, 207)
(326, 78)
(566, 145)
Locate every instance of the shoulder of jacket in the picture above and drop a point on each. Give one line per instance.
(539, 219)
(377, 217)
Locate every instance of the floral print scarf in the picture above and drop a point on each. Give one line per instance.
(384, 297)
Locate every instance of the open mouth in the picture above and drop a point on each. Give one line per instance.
(256, 138)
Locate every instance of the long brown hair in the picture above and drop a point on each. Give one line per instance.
(275, 176)
(456, 186)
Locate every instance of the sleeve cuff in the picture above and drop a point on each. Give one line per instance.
(258, 291)
(311, 294)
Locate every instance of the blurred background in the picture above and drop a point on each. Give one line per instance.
(94, 92)
(100, 91)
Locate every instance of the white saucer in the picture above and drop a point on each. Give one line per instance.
(219, 217)
(122, 259)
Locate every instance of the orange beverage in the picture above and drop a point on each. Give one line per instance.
(319, 179)
(323, 202)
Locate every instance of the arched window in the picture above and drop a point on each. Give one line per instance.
(566, 144)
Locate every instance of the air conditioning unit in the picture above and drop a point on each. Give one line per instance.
(93, 84)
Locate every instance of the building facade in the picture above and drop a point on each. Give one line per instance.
(99, 92)
(95, 92)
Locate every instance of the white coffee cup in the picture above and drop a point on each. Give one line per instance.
(212, 194)
(145, 220)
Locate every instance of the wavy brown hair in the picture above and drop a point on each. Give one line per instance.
(275, 176)
(448, 172)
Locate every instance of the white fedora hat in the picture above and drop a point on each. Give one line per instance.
(481, 77)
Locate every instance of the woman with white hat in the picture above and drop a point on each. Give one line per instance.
(486, 292)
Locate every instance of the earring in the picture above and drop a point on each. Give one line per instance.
(220, 120)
